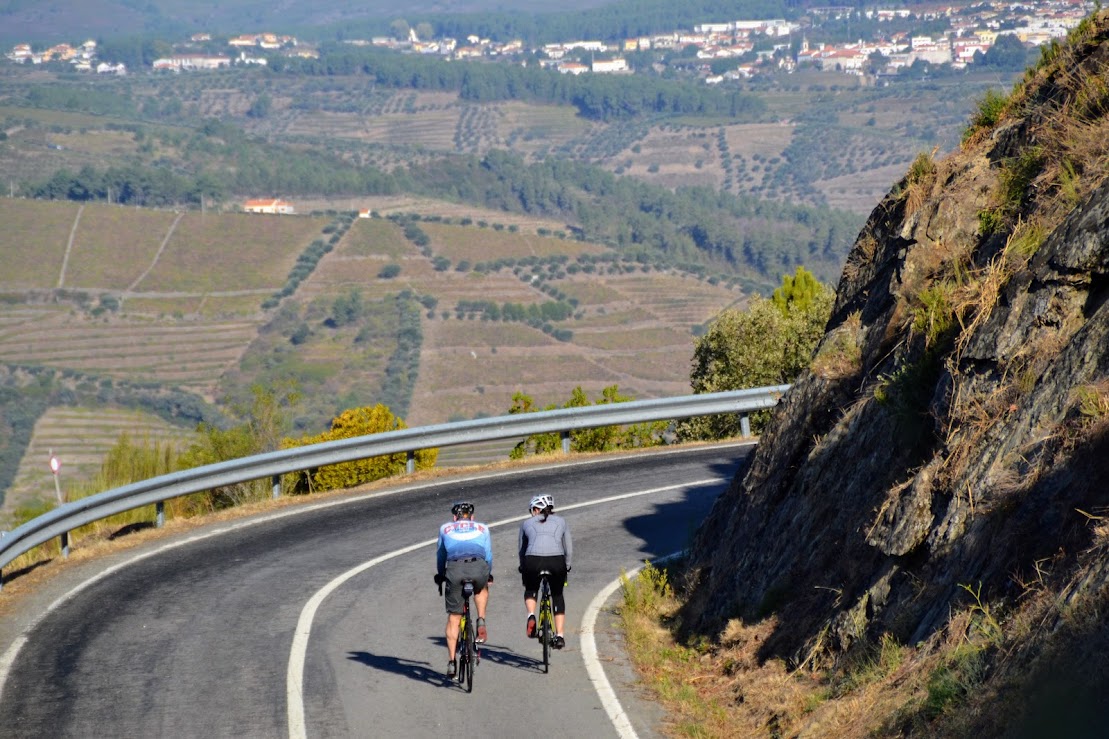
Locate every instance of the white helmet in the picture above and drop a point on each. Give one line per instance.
(542, 502)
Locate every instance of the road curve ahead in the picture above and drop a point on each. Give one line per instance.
(324, 621)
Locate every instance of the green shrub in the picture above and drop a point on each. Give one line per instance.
(990, 109)
(350, 423)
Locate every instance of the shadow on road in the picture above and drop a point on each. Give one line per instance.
(671, 526)
(509, 658)
(500, 655)
(419, 671)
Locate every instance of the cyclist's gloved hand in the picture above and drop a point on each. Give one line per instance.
(490, 577)
(520, 568)
(568, 568)
(439, 579)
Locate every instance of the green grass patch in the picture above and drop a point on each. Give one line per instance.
(374, 237)
(210, 252)
(114, 245)
(35, 236)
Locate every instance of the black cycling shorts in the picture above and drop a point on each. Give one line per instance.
(557, 578)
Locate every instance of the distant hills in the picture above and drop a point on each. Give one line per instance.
(441, 318)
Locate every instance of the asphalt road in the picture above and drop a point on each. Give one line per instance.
(201, 638)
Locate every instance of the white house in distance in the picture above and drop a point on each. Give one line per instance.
(184, 62)
(610, 65)
(272, 205)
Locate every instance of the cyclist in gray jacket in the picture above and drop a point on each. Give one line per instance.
(544, 544)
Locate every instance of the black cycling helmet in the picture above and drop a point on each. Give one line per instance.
(462, 508)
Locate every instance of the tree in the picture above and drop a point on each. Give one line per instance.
(876, 62)
(260, 108)
(346, 309)
(798, 291)
(769, 343)
(1007, 54)
(400, 28)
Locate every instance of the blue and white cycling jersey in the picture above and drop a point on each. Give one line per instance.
(463, 539)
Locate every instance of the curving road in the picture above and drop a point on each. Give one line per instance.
(323, 620)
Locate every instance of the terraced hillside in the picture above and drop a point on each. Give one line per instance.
(429, 314)
(79, 438)
(150, 296)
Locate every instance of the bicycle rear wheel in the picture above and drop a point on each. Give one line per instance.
(460, 651)
(547, 627)
(471, 656)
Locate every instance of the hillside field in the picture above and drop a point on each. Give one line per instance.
(177, 300)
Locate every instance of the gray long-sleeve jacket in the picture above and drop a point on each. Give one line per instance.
(548, 538)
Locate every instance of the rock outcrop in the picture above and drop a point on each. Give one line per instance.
(949, 450)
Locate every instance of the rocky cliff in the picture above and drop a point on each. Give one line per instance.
(941, 476)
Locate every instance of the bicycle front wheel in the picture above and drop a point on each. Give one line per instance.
(545, 637)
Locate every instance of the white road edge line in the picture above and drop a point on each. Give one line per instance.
(298, 728)
(615, 711)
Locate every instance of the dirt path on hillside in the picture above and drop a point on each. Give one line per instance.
(158, 254)
(69, 246)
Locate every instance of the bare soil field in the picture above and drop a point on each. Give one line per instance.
(766, 140)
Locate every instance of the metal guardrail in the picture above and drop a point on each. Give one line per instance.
(63, 519)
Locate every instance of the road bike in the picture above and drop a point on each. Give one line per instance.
(466, 650)
(545, 625)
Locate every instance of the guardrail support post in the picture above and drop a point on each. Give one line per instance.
(565, 441)
(745, 425)
(276, 481)
(160, 514)
(65, 545)
(410, 464)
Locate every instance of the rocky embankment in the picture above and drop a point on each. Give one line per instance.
(941, 477)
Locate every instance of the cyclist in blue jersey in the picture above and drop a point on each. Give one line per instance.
(544, 544)
(465, 552)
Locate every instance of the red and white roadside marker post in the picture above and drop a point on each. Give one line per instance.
(55, 467)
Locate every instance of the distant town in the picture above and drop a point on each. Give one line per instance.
(756, 46)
